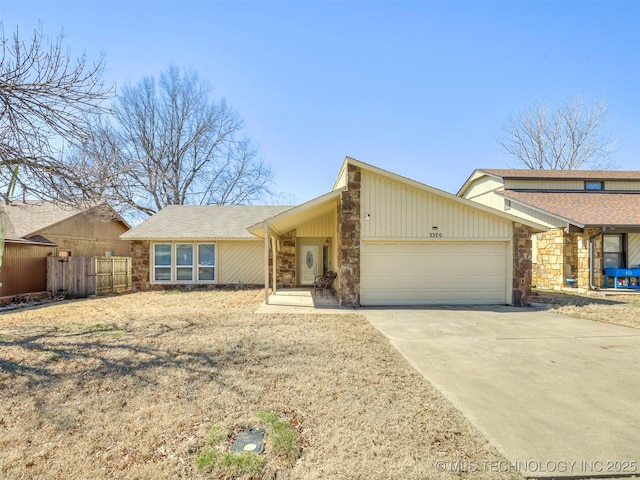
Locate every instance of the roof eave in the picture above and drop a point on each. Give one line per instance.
(279, 223)
(477, 173)
(541, 210)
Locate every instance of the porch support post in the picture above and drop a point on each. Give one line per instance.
(274, 249)
(266, 263)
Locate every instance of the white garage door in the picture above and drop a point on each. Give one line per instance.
(433, 273)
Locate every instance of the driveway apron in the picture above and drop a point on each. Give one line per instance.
(558, 396)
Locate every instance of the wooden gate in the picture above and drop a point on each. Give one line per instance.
(84, 276)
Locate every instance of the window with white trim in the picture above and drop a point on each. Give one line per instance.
(206, 262)
(184, 262)
(613, 251)
(162, 262)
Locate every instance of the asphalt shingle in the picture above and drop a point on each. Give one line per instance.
(584, 208)
(514, 174)
(189, 222)
(26, 219)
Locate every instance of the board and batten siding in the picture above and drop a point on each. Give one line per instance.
(633, 244)
(532, 215)
(512, 184)
(325, 227)
(620, 185)
(483, 189)
(88, 236)
(240, 261)
(577, 185)
(24, 269)
(400, 211)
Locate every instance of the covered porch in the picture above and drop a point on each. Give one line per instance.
(299, 244)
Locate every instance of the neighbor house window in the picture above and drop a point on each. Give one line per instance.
(162, 262)
(613, 251)
(206, 262)
(593, 185)
(184, 262)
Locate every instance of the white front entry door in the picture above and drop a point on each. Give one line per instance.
(308, 263)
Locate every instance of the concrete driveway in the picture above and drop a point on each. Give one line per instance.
(558, 396)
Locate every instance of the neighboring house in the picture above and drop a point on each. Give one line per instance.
(391, 240)
(35, 230)
(592, 220)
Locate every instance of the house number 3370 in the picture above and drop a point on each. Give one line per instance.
(435, 235)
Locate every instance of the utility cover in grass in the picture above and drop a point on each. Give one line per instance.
(249, 440)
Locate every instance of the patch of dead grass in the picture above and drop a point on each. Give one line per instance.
(79, 401)
(618, 309)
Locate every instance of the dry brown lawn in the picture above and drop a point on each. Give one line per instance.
(129, 387)
(618, 308)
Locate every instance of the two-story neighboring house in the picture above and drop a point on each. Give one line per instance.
(593, 221)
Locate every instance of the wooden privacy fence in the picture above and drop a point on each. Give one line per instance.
(84, 276)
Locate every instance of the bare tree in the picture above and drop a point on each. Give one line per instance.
(45, 98)
(569, 137)
(169, 144)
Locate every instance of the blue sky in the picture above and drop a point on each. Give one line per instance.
(418, 88)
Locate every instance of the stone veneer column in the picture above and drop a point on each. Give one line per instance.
(140, 265)
(521, 291)
(551, 263)
(563, 255)
(286, 261)
(348, 278)
(584, 259)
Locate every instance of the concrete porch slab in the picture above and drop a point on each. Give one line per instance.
(302, 300)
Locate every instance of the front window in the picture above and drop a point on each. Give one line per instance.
(162, 262)
(184, 262)
(613, 251)
(206, 262)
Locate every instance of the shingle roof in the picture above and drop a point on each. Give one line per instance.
(515, 174)
(182, 222)
(28, 218)
(584, 208)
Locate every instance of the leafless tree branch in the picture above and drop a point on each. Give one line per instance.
(45, 98)
(570, 137)
(169, 144)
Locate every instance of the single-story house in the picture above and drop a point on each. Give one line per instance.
(198, 245)
(591, 220)
(391, 240)
(35, 230)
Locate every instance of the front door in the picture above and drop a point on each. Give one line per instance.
(308, 263)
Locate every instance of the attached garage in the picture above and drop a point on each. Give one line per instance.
(421, 273)
(394, 241)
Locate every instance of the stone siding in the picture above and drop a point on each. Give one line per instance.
(140, 265)
(549, 271)
(347, 283)
(521, 289)
(562, 256)
(285, 262)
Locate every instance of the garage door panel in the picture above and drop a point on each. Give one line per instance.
(443, 273)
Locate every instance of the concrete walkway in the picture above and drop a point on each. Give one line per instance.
(558, 396)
